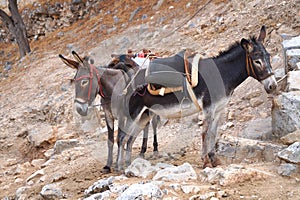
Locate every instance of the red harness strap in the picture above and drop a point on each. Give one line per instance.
(99, 81)
(92, 69)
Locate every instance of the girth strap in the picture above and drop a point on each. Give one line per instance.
(186, 65)
(192, 76)
(192, 95)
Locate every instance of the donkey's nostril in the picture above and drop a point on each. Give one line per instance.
(272, 86)
(82, 109)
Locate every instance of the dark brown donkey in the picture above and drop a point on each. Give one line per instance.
(124, 62)
(103, 80)
(217, 78)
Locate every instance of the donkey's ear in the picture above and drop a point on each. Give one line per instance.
(248, 46)
(262, 34)
(85, 62)
(71, 63)
(91, 61)
(77, 57)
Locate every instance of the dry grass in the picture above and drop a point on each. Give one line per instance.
(79, 32)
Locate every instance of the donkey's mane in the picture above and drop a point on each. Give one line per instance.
(233, 49)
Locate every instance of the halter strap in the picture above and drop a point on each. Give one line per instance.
(250, 69)
(249, 66)
(99, 81)
(92, 69)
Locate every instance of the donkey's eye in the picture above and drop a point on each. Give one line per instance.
(84, 82)
(257, 54)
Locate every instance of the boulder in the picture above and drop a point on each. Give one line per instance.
(235, 149)
(142, 191)
(183, 172)
(258, 129)
(291, 138)
(293, 81)
(232, 175)
(286, 113)
(51, 191)
(292, 52)
(291, 154)
(293, 57)
(140, 168)
(38, 137)
(62, 145)
(99, 187)
(287, 169)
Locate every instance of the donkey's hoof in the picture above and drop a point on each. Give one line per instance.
(106, 170)
(155, 154)
(142, 155)
(206, 162)
(119, 169)
(127, 163)
(213, 159)
(215, 162)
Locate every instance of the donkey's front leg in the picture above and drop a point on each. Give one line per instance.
(212, 117)
(135, 131)
(110, 144)
(136, 127)
(110, 141)
(204, 155)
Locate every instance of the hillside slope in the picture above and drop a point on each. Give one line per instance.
(36, 97)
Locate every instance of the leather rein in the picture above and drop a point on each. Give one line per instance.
(250, 68)
(90, 77)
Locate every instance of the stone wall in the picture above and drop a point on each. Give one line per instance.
(286, 106)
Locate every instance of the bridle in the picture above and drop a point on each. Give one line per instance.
(250, 68)
(91, 76)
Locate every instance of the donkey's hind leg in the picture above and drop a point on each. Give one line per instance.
(145, 141)
(155, 121)
(122, 138)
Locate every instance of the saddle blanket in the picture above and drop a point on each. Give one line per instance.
(172, 71)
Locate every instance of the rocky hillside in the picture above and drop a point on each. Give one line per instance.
(45, 144)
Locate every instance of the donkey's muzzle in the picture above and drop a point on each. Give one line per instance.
(81, 108)
(270, 84)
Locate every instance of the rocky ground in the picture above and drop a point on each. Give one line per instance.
(43, 141)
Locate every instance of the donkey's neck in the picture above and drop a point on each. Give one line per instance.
(111, 81)
(232, 66)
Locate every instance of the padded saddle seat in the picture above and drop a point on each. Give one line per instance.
(167, 72)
